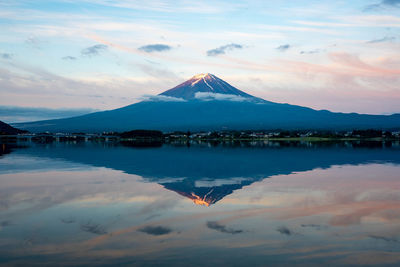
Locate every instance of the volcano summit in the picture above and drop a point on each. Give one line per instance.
(206, 102)
(201, 84)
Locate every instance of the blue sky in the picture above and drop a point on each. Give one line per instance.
(103, 54)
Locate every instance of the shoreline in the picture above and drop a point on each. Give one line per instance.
(167, 139)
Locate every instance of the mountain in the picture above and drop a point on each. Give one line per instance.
(201, 84)
(8, 129)
(206, 102)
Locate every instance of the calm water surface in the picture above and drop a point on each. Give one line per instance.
(268, 204)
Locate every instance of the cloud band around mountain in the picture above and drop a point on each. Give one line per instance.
(161, 98)
(207, 96)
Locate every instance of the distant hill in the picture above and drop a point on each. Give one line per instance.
(8, 129)
(206, 102)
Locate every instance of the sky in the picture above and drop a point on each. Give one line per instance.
(72, 57)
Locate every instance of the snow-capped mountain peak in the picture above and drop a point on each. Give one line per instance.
(201, 76)
(204, 83)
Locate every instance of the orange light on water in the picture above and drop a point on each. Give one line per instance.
(200, 201)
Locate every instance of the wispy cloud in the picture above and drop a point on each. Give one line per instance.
(283, 48)
(315, 226)
(349, 21)
(68, 220)
(373, 21)
(94, 50)
(69, 58)
(155, 48)
(315, 51)
(359, 66)
(222, 228)
(391, 2)
(19, 84)
(24, 114)
(384, 238)
(160, 73)
(34, 42)
(176, 7)
(222, 49)
(158, 206)
(6, 55)
(382, 40)
(311, 29)
(382, 4)
(322, 23)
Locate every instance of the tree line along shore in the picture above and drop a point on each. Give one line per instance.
(246, 135)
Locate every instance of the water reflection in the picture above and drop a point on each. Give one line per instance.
(207, 172)
(88, 203)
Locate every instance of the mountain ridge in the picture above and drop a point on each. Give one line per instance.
(6, 129)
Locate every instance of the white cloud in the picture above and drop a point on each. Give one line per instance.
(205, 96)
(161, 98)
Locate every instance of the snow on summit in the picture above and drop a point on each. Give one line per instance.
(204, 83)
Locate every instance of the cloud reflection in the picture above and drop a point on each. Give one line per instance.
(335, 200)
(284, 230)
(222, 228)
(93, 228)
(155, 230)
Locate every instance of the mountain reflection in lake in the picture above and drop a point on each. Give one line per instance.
(200, 204)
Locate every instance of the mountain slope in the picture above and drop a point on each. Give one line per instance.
(205, 102)
(8, 129)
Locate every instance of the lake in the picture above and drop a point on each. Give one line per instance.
(207, 204)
